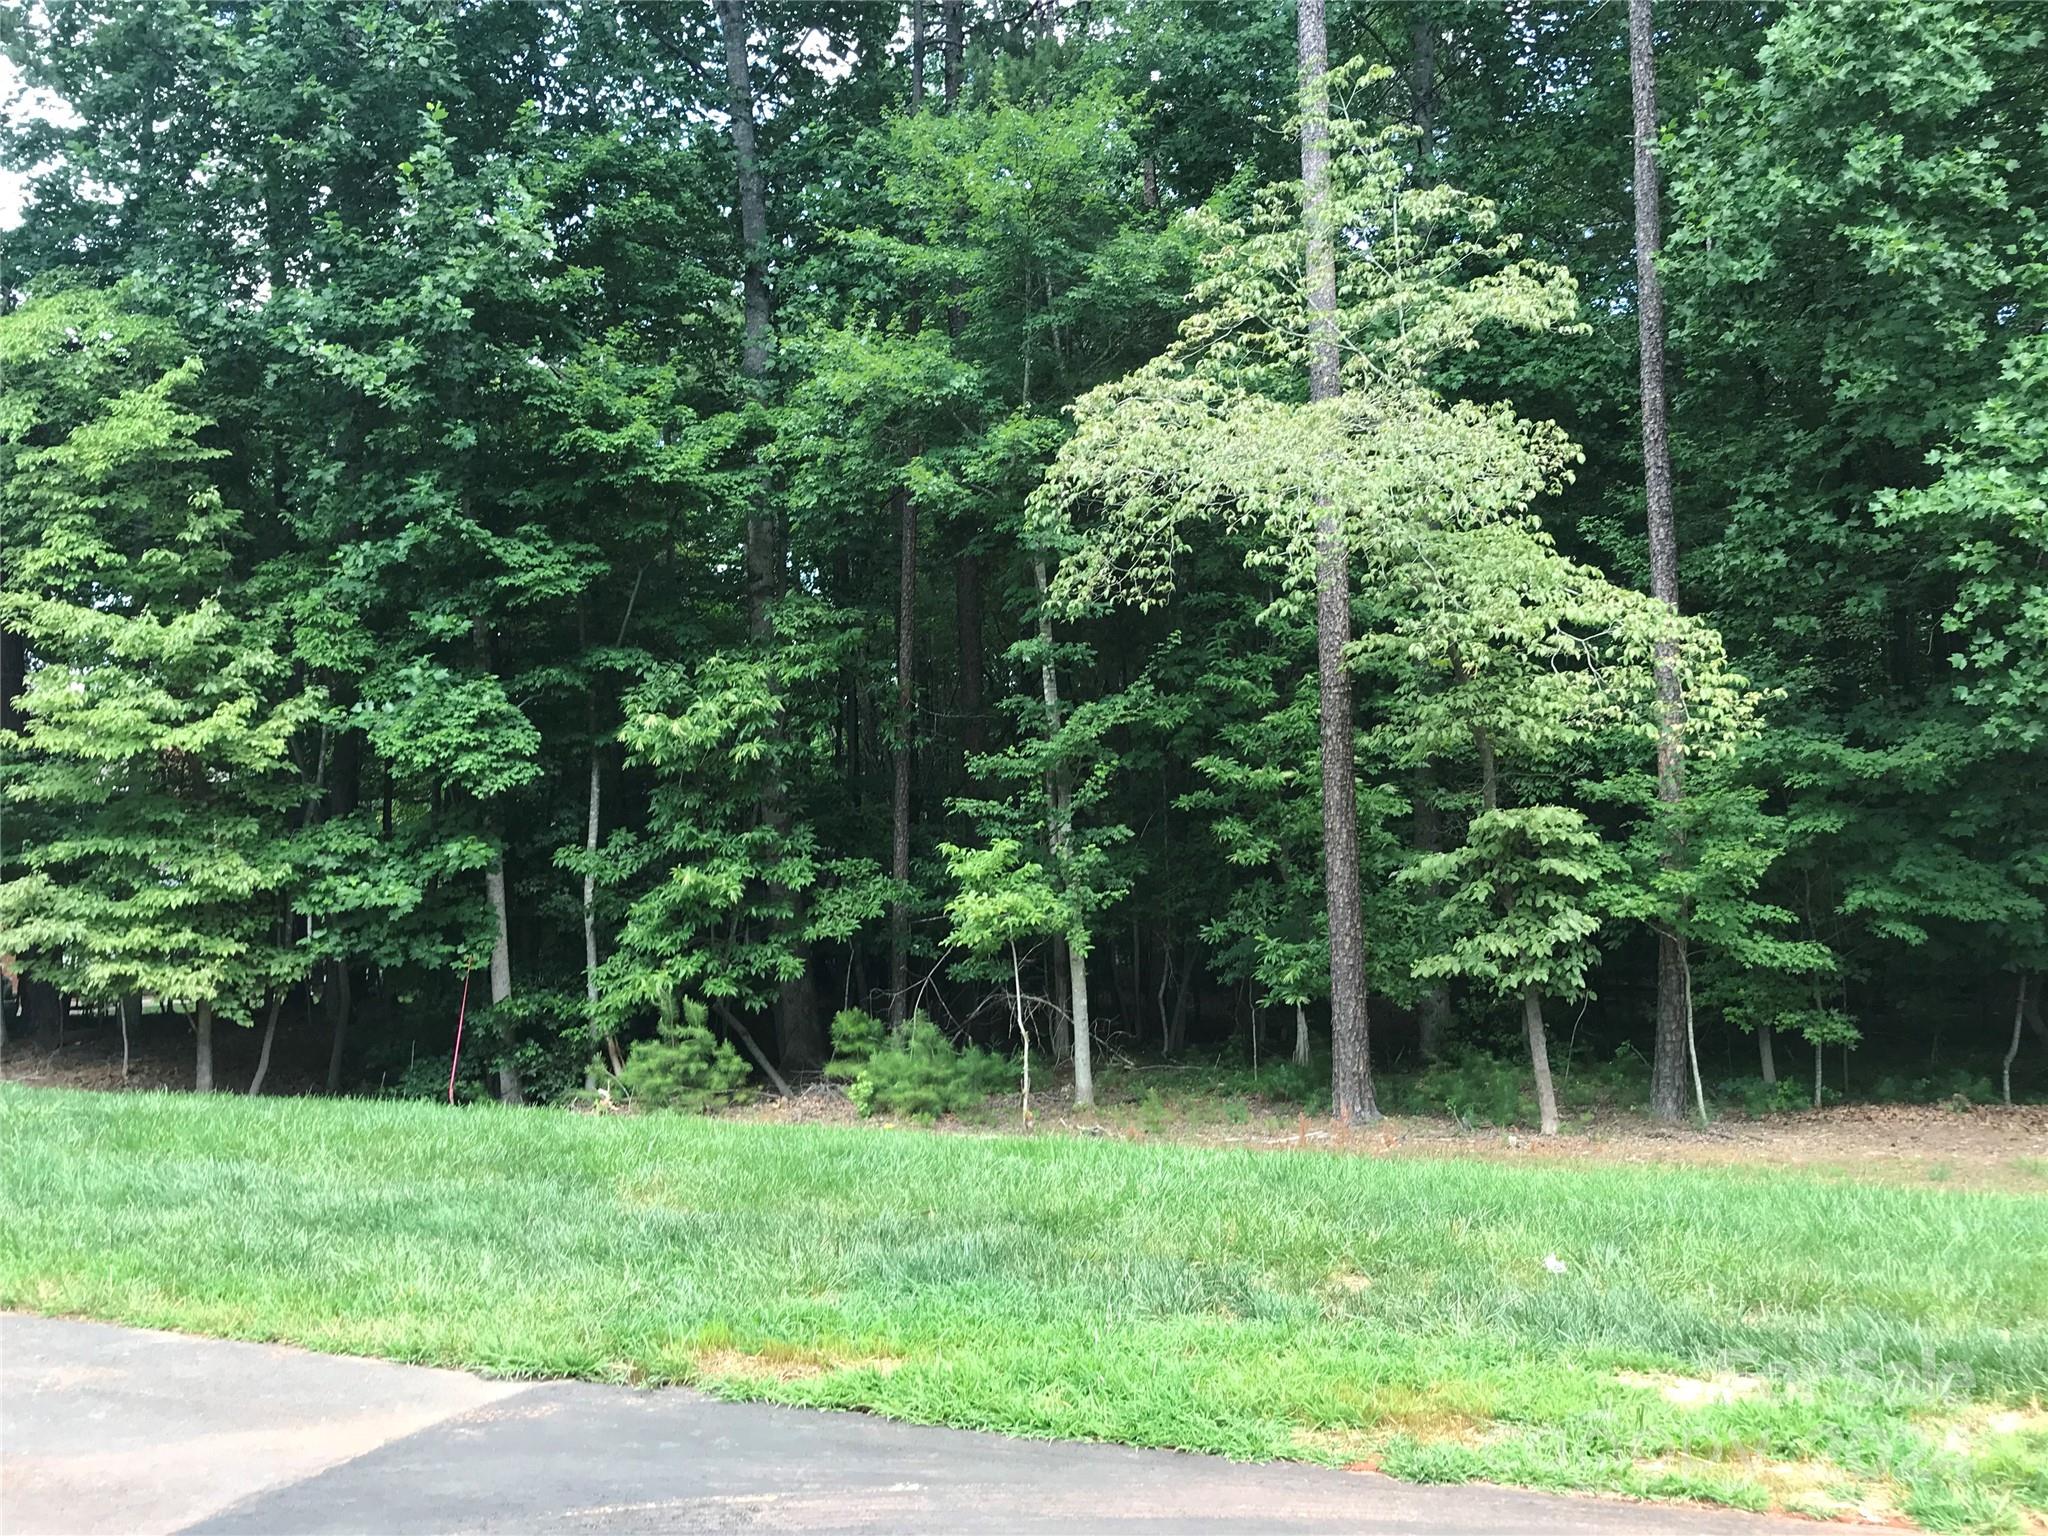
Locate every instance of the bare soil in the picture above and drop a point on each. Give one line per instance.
(1968, 1146)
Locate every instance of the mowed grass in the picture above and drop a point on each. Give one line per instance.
(1739, 1336)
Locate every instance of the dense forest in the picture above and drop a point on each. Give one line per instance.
(702, 535)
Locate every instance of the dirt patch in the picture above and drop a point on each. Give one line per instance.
(1816, 1488)
(782, 1362)
(1694, 1391)
(1981, 1425)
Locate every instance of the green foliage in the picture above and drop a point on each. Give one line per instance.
(1478, 1089)
(1522, 901)
(685, 1066)
(856, 1036)
(918, 1073)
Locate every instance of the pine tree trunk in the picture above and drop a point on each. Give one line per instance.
(509, 1090)
(1766, 1056)
(1301, 1048)
(1422, 78)
(906, 720)
(1351, 1091)
(763, 571)
(1539, 1058)
(202, 1030)
(954, 14)
(1667, 1070)
(340, 1001)
(263, 1056)
(916, 55)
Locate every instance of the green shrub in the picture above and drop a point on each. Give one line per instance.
(918, 1073)
(685, 1066)
(856, 1036)
(1757, 1097)
(1478, 1089)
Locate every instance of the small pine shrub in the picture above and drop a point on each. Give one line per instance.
(856, 1036)
(1758, 1098)
(1478, 1089)
(919, 1074)
(685, 1067)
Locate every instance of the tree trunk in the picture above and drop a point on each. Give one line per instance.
(1539, 1058)
(263, 1056)
(916, 56)
(1301, 1051)
(2019, 1014)
(1060, 987)
(1351, 1090)
(1023, 1034)
(13, 676)
(130, 1011)
(509, 1090)
(1059, 819)
(1422, 79)
(762, 563)
(1817, 1050)
(202, 1030)
(340, 1000)
(1667, 1070)
(906, 721)
(1084, 1051)
(1766, 1056)
(954, 13)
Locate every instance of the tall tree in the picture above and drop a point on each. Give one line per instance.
(1668, 1063)
(1351, 1090)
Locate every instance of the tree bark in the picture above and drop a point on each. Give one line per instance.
(2019, 1014)
(202, 1030)
(1059, 818)
(1084, 1051)
(130, 1011)
(1301, 1050)
(954, 13)
(906, 721)
(757, 338)
(263, 1056)
(1767, 1059)
(1023, 1034)
(1668, 1064)
(340, 1000)
(13, 676)
(1422, 79)
(1539, 1058)
(916, 55)
(1351, 1090)
(509, 1089)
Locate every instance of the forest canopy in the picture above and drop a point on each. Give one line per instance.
(781, 531)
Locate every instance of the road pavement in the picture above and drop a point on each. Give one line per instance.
(118, 1430)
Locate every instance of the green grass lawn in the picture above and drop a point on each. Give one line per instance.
(1752, 1338)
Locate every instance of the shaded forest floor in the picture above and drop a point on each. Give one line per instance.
(1977, 1147)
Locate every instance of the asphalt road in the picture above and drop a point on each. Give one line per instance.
(119, 1430)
